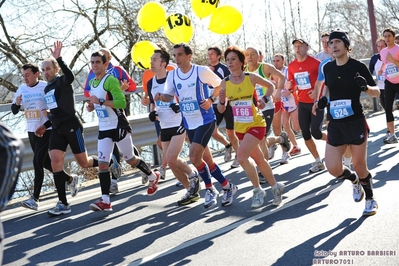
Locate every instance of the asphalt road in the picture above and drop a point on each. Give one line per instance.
(318, 222)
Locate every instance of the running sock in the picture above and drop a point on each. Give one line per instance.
(348, 174)
(218, 175)
(59, 180)
(318, 160)
(143, 167)
(228, 146)
(106, 199)
(257, 189)
(105, 181)
(203, 171)
(367, 186)
(347, 161)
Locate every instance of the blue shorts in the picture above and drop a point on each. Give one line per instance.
(201, 134)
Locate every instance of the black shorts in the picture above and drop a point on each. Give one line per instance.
(69, 132)
(168, 133)
(116, 134)
(353, 132)
(268, 116)
(227, 114)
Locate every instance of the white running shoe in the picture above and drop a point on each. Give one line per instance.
(113, 188)
(162, 170)
(30, 203)
(228, 195)
(211, 196)
(316, 167)
(227, 153)
(271, 150)
(258, 198)
(73, 186)
(357, 189)
(371, 207)
(285, 158)
(278, 193)
(235, 163)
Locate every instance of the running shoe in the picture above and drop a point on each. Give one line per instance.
(188, 198)
(285, 157)
(113, 188)
(211, 195)
(59, 209)
(227, 153)
(153, 184)
(235, 163)
(286, 144)
(195, 185)
(271, 150)
(357, 189)
(73, 186)
(100, 205)
(258, 198)
(30, 203)
(162, 171)
(228, 195)
(278, 193)
(295, 151)
(115, 168)
(316, 167)
(179, 184)
(371, 207)
(390, 139)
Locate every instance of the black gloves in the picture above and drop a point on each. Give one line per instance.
(152, 116)
(322, 103)
(361, 82)
(175, 107)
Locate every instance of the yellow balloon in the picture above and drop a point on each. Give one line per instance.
(141, 53)
(225, 20)
(178, 28)
(151, 16)
(203, 8)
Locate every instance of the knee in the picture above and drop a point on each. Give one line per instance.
(84, 163)
(103, 166)
(195, 159)
(172, 162)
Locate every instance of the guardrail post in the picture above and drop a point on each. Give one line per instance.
(375, 105)
(157, 155)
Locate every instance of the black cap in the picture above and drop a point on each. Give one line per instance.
(300, 40)
(340, 34)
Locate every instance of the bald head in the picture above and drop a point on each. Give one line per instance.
(107, 54)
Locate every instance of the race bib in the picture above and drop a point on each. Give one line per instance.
(259, 91)
(163, 105)
(381, 78)
(51, 102)
(102, 113)
(341, 109)
(32, 115)
(392, 71)
(189, 108)
(242, 111)
(286, 102)
(302, 80)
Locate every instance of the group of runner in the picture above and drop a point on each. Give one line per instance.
(252, 96)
